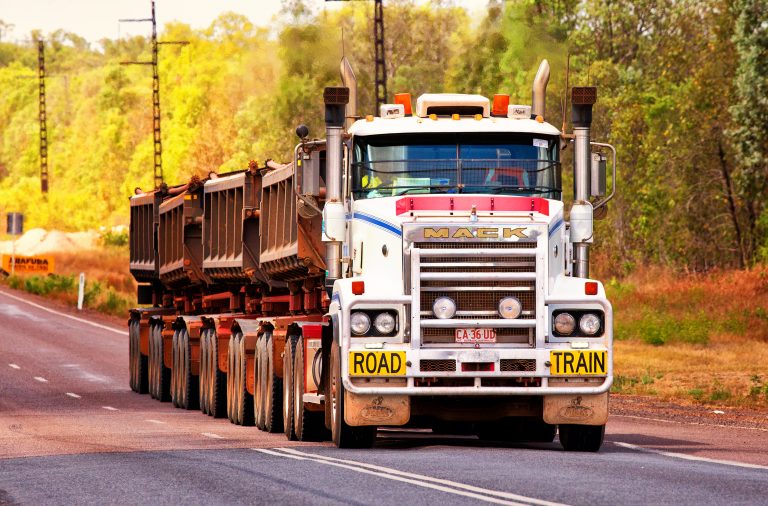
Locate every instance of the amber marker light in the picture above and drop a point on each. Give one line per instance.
(405, 100)
(500, 104)
(455, 116)
(358, 287)
(433, 117)
(590, 288)
(540, 118)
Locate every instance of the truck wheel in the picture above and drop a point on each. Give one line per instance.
(288, 428)
(190, 383)
(273, 412)
(308, 425)
(236, 392)
(260, 379)
(343, 435)
(582, 438)
(217, 380)
(175, 369)
(141, 362)
(151, 361)
(244, 399)
(162, 374)
(132, 357)
(202, 391)
(231, 379)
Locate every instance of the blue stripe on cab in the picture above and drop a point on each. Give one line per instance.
(376, 222)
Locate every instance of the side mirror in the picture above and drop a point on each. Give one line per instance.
(598, 177)
(310, 172)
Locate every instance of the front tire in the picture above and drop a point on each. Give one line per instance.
(582, 438)
(343, 435)
(308, 425)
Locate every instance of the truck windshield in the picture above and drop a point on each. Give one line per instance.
(490, 163)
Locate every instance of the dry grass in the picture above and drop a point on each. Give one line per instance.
(700, 338)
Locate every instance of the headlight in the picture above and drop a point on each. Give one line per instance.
(360, 323)
(444, 308)
(590, 324)
(384, 323)
(510, 307)
(565, 324)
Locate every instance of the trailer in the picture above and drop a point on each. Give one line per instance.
(411, 269)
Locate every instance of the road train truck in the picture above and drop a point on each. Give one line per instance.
(413, 269)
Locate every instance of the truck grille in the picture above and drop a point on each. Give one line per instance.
(477, 282)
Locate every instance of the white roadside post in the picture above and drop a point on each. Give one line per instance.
(81, 292)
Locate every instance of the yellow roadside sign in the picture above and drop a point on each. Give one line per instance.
(29, 265)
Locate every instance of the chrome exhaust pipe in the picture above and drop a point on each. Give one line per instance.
(350, 81)
(539, 99)
(582, 100)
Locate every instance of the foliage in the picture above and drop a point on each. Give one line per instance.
(682, 87)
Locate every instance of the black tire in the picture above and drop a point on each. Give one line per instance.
(217, 380)
(151, 362)
(142, 377)
(244, 399)
(160, 375)
(190, 391)
(343, 435)
(308, 425)
(288, 426)
(582, 438)
(175, 369)
(133, 344)
(273, 401)
(202, 391)
(231, 375)
(260, 380)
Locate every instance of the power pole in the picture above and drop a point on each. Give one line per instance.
(380, 83)
(42, 118)
(156, 130)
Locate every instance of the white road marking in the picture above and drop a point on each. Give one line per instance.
(155, 421)
(109, 408)
(73, 395)
(690, 423)
(212, 435)
(14, 366)
(452, 487)
(278, 454)
(41, 379)
(59, 313)
(689, 457)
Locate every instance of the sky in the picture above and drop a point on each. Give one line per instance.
(98, 19)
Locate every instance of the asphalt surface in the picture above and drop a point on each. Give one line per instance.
(72, 432)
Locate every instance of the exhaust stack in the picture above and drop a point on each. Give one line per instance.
(334, 223)
(350, 81)
(539, 100)
(582, 100)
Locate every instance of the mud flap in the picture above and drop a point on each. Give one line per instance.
(366, 409)
(576, 409)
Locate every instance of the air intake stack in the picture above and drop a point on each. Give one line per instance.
(582, 99)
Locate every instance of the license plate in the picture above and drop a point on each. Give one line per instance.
(475, 335)
(377, 363)
(578, 363)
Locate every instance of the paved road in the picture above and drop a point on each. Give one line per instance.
(72, 432)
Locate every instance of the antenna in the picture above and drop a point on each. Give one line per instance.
(564, 101)
(42, 117)
(156, 131)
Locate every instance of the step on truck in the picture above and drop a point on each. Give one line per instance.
(412, 269)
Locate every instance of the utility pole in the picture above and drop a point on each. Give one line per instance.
(380, 83)
(42, 118)
(156, 131)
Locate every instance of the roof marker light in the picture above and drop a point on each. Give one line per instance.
(455, 116)
(500, 105)
(433, 117)
(404, 99)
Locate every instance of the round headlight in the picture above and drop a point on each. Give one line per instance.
(565, 324)
(384, 323)
(360, 323)
(444, 308)
(590, 324)
(510, 307)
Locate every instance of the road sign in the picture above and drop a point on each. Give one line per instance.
(15, 223)
(28, 265)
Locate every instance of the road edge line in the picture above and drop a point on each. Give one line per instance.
(683, 456)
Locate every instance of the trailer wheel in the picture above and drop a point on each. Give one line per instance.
(190, 396)
(244, 399)
(217, 380)
(202, 391)
(582, 438)
(133, 346)
(142, 379)
(273, 413)
(260, 379)
(343, 435)
(308, 425)
(175, 368)
(231, 379)
(288, 427)
(162, 374)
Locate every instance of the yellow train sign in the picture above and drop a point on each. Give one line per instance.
(29, 265)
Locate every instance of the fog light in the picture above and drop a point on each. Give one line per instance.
(384, 323)
(444, 308)
(589, 324)
(565, 324)
(360, 323)
(510, 307)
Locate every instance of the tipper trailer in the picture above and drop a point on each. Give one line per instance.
(412, 269)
